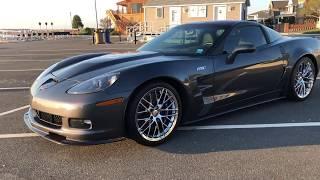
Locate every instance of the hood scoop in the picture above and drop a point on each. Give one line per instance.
(48, 84)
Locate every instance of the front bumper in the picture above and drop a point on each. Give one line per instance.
(107, 122)
(71, 137)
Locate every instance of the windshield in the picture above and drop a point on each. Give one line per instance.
(186, 40)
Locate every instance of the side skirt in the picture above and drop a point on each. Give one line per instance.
(233, 110)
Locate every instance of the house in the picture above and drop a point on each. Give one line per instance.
(259, 16)
(288, 16)
(131, 10)
(287, 10)
(282, 10)
(160, 15)
(128, 13)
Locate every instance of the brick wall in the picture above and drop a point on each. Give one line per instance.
(289, 28)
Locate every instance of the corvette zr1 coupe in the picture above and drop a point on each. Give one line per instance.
(190, 73)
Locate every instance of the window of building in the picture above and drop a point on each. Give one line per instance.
(159, 12)
(197, 11)
(136, 8)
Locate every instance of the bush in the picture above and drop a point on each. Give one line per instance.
(315, 31)
(86, 31)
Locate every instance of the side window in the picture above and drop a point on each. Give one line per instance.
(273, 35)
(245, 35)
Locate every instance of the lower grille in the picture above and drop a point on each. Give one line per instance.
(50, 120)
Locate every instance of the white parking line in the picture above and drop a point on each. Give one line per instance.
(250, 126)
(192, 128)
(37, 54)
(65, 53)
(61, 50)
(20, 70)
(14, 88)
(22, 135)
(29, 60)
(14, 110)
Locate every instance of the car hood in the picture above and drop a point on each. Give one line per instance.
(109, 63)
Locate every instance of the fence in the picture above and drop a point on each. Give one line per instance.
(34, 35)
(290, 28)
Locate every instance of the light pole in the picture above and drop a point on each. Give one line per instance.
(71, 20)
(95, 5)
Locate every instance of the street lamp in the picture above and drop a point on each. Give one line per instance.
(95, 5)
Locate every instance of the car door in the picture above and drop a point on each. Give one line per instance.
(249, 74)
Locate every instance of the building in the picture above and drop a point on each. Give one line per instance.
(259, 16)
(160, 15)
(289, 11)
(132, 10)
(129, 13)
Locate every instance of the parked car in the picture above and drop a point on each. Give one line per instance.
(193, 72)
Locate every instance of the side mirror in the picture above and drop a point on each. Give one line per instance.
(244, 48)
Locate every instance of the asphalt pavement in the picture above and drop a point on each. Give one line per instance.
(277, 140)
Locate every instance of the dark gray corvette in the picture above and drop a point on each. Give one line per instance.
(193, 72)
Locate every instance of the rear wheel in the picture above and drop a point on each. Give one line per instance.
(302, 79)
(154, 113)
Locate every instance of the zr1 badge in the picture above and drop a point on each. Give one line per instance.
(201, 68)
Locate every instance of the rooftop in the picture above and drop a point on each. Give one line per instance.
(183, 2)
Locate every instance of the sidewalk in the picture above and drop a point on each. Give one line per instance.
(300, 34)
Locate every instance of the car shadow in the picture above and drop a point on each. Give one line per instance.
(282, 111)
(246, 139)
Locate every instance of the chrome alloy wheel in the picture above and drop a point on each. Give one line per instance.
(157, 114)
(304, 80)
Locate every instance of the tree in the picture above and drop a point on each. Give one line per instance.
(312, 7)
(105, 23)
(77, 22)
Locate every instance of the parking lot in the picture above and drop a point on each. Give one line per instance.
(278, 140)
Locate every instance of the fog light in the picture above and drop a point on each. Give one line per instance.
(80, 123)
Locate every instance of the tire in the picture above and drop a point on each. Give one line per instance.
(154, 114)
(302, 80)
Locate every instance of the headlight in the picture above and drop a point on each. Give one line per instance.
(95, 84)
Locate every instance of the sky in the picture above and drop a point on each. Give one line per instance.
(16, 14)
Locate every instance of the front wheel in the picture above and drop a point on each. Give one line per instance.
(154, 114)
(302, 79)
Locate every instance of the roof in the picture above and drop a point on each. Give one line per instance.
(264, 14)
(127, 2)
(184, 2)
(279, 4)
(295, 2)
